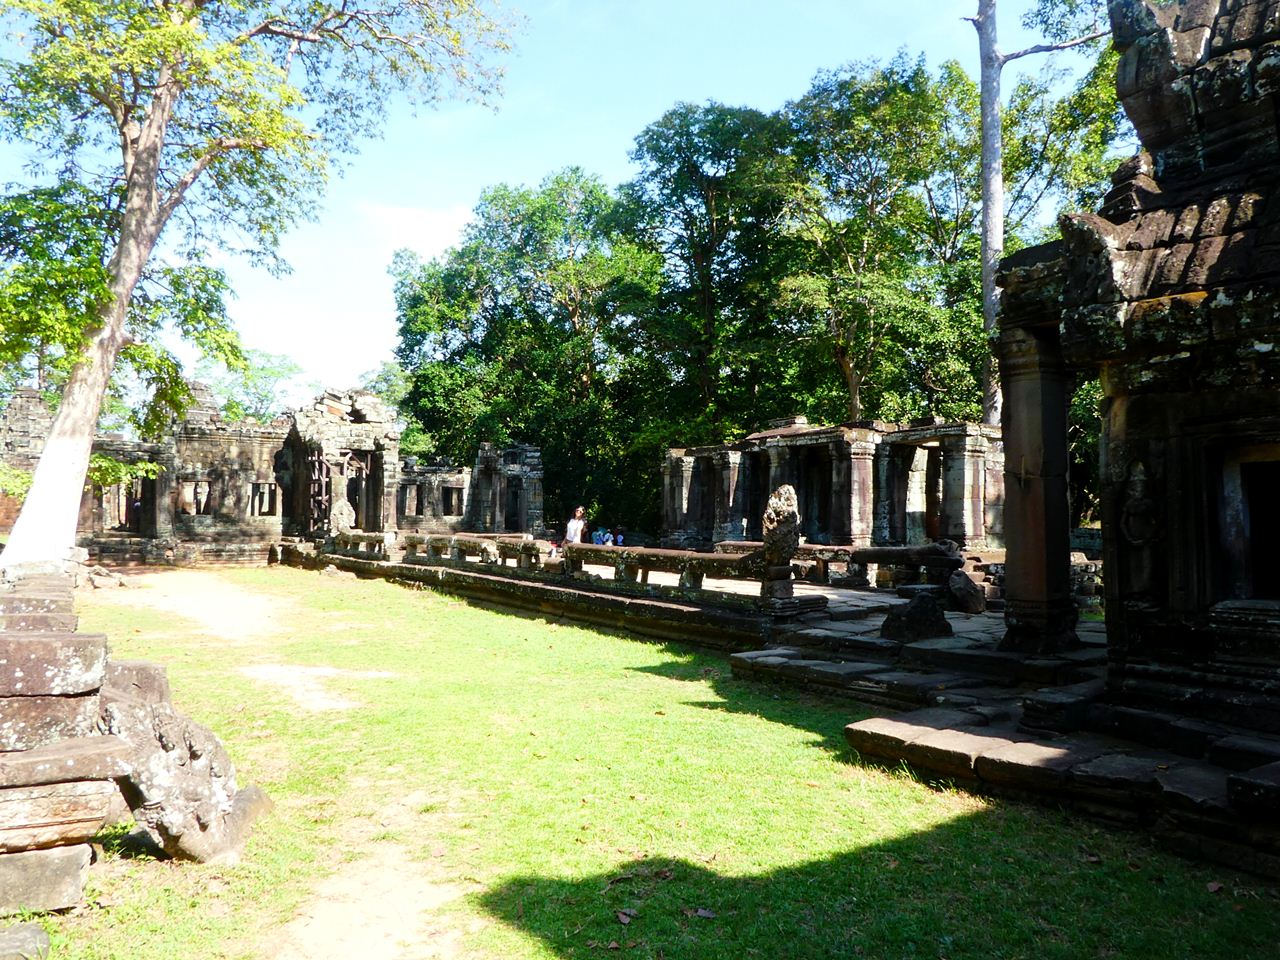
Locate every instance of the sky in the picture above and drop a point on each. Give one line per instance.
(584, 78)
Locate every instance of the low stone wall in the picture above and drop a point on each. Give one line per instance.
(725, 625)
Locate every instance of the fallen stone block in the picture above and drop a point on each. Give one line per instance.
(24, 941)
(53, 814)
(1256, 792)
(39, 880)
(27, 722)
(181, 783)
(920, 619)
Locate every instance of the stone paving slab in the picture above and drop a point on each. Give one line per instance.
(40, 880)
(1035, 764)
(1257, 791)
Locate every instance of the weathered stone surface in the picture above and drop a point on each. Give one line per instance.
(56, 814)
(1256, 792)
(39, 622)
(1119, 778)
(27, 722)
(883, 737)
(953, 753)
(1035, 764)
(40, 880)
(83, 758)
(139, 679)
(24, 941)
(967, 596)
(51, 663)
(920, 619)
(1244, 753)
(181, 785)
(1199, 787)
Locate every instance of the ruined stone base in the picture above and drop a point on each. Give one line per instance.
(25, 941)
(785, 608)
(38, 880)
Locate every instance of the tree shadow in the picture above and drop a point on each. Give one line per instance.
(821, 714)
(998, 883)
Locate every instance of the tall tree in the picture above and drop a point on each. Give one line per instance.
(517, 334)
(226, 111)
(709, 198)
(1066, 20)
(885, 205)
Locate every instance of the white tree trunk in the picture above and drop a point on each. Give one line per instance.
(45, 532)
(992, 197)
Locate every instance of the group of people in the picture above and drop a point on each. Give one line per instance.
(576, 529)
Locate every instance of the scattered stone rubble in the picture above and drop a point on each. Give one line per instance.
(75, 729)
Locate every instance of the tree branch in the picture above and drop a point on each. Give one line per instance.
(1052, 47)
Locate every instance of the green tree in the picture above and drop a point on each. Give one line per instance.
(885, 203)
(226, 111)
(255, 390)
(519, 334)
(54, 244)
(710, 199)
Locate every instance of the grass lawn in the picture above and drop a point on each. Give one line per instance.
(545, 791)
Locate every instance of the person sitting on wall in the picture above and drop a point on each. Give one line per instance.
(619, 535)
(606, 537)
(577, 524)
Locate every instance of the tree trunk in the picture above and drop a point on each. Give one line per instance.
(45, 532)
(992, 198)
(852, 382)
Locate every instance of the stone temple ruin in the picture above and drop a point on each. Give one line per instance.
(230, 491)
(1171, 293)
(858, 484)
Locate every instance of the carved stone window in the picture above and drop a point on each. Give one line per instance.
(451, 501)
(262, 500)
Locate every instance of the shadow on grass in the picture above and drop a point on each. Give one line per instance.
(992, 884)
(823, 715)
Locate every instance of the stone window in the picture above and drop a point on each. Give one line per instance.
(1251, 522)
(195, 498)
(451, 501)
(262, 500)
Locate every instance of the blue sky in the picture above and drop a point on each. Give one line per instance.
(583, 80)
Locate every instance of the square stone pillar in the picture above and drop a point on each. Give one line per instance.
(778, 463)
(964, 477)
(1040, 613)
(852, 491)
(730, 496)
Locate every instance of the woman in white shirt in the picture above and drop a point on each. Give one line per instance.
(577, 524)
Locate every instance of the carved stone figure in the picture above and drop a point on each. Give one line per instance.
(182, 785)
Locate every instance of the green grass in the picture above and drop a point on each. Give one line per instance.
(564, 775)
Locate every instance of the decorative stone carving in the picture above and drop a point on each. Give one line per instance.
(182, 785)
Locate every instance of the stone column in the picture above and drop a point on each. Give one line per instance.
(964, 489)
(853, 506)
(1040, 614)
(778, 457)
(729, 501)
(882, 494)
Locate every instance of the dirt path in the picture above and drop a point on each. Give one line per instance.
(384, 905)
(218, 607)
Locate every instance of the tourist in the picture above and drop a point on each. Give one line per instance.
(577, 524)
(618, 536)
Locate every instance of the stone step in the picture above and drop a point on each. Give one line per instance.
(51, 664)
(39, 622)
(1256, 791)
(22, 602)
(870, 681)
(1221, 743)
(79, 758)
